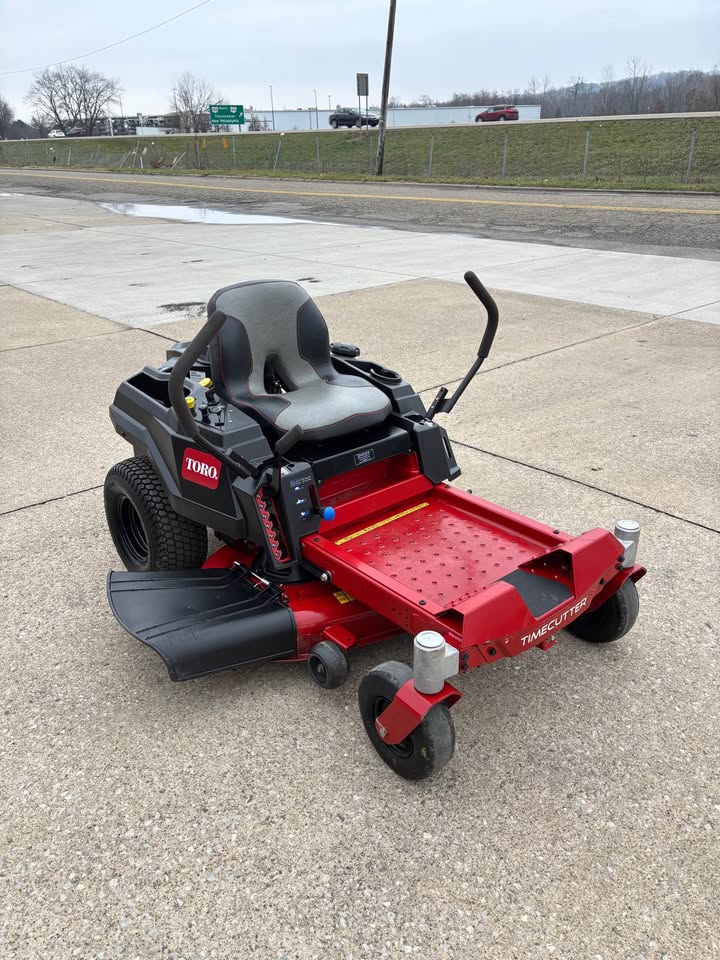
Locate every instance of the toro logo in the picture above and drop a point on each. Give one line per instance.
(202, 468)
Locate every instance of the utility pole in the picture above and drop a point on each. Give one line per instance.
(317, 115)
(385, 90)
(272, 107)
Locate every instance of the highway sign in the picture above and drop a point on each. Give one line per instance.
(222, 114)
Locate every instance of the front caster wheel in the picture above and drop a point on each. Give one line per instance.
(612, 619)
(328, 665)
(428, 748)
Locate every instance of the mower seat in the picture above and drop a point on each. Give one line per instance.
(271, 359)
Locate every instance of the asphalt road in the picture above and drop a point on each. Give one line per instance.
(678, 225)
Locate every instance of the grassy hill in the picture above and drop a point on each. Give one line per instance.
(638, 153)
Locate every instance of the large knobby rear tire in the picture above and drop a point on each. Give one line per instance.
(428, 748)
(612, 619)
(146, 531)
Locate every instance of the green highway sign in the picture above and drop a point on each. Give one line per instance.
(222, 114)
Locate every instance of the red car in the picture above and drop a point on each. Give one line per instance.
(505, 112)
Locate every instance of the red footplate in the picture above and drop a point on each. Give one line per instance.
(437, 550)
(485, 577)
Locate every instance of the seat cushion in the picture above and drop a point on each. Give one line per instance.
(274, 324)
(326, 410)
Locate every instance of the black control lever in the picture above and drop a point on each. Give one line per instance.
(440, 404)
(237, 465)
(269, 470)
(288, 440)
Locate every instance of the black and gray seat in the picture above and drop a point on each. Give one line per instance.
(271, 359)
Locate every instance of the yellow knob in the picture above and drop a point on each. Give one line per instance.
(190, 401)
(206, 383)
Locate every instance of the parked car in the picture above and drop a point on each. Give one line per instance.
(502, 112)
(56, 133)
(347, 117)
(77, 132)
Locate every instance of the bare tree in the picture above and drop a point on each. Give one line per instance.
(6, 117)
(578, 89)
(683, 90)
(191, 100)
(72, 95)
(636, 84)
(671, 91)
(713, 88)
(41, 123)
(607, 90)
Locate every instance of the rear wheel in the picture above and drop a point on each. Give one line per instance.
(430, 745)
(612, 619)
(146, 531)
(334, 124)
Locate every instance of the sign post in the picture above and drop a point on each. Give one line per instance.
(362, 91)
(223, 114)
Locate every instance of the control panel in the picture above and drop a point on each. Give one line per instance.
(299, 496)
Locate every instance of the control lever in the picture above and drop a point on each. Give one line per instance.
(270, 469)
(287, 441)
(441, 403)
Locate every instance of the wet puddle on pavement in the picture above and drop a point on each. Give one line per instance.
(193, 214)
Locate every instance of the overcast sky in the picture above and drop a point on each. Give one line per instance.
(441, 46)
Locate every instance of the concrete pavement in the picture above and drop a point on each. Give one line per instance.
(329, 258)
(669, 224)
(246, 815)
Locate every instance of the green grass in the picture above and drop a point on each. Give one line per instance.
(645, 154)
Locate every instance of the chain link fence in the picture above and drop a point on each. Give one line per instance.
(642, 153)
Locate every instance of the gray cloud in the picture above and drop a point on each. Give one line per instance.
(442, 46)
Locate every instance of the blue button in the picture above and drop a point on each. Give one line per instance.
(327, 513)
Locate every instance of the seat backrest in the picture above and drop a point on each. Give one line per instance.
(268, 321)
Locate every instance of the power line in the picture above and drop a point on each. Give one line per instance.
(57, 63)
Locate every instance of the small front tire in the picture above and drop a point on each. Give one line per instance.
(612, 619)
(428, 748)
(328, 665)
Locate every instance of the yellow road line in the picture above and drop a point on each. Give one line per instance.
(368, 196)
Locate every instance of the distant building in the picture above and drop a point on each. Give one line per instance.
(136, 125)
(303, 118)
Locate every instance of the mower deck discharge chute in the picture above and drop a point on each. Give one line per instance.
(329, 483)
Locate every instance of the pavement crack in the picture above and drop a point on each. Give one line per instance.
(545, 353)
(679, 313)
(53, 343)
(156, 334)
(588, 486)
(41, 503)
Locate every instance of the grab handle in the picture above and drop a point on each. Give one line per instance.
(442, 405)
